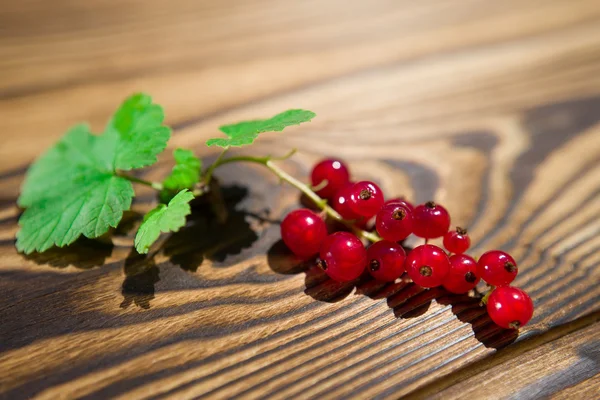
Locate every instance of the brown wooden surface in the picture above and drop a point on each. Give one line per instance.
(492, 108)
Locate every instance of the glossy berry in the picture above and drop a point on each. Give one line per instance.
(334, 172)
(341, 203)
(394, 222)
(402, 201)
(463, 274)
(303, 232)
(342, 256)
(430, 220)
(385, 260)
(366, 198)
(497, 268)
(427, 265)
(510, 307)
(457, 241)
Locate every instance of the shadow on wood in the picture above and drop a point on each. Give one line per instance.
(209, 233)
(212, 234)
(141, 274)
(405, 298)
(84, 253)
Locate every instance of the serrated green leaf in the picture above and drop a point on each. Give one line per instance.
(69, 192)
(246, 132)
(137, 133)
(163, 218)
(186, 172)
(184, 175)
(98, 205)
(62, 166)
(73, 189)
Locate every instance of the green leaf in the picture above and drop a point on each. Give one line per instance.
(185, 173)
(62, 166)
(246, 132)
(68, 192)
(163, 218)
(73, 189)
(137, 133)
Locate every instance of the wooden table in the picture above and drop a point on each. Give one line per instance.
(491, 108)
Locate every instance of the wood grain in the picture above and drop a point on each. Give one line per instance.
(491, 109)
(574, 358)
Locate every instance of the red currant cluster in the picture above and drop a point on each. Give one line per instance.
(343, 256)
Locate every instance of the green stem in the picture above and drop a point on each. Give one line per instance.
(209, 171)
(284, 176)
(153, 185)
(197, 192)
(485, 298)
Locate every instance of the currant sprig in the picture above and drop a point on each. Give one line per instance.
(84, 184)
(344, 257)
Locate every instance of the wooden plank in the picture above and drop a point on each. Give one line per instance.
(56, 74)
(573, 360)
(580, 390)
(561, 361)
(493, 110)
(245, 326)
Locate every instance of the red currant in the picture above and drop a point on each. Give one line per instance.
(394, 222)
(427, 265)
(386, 260)
(463, 274)
(343, 256)
(366, 198)
(510, 307)
(402, 201)
(457, 241)
(334, 172)
(303, 231)
(341, 203)
(430, 220)
(497, 268)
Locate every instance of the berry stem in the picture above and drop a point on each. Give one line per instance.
(320, 186)
(485, 297)
(209, 171)
(284, 176)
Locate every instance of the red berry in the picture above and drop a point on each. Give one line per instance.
(457, 241)
(427, 265)
(402, 201)
(303, 232)
(341, 203)
(497, 268)
(343, 256)
(510, 307)
(335, 172)
(366, 198)
(430, 220)
(394, 222)
(386, 260)
(463, 274)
